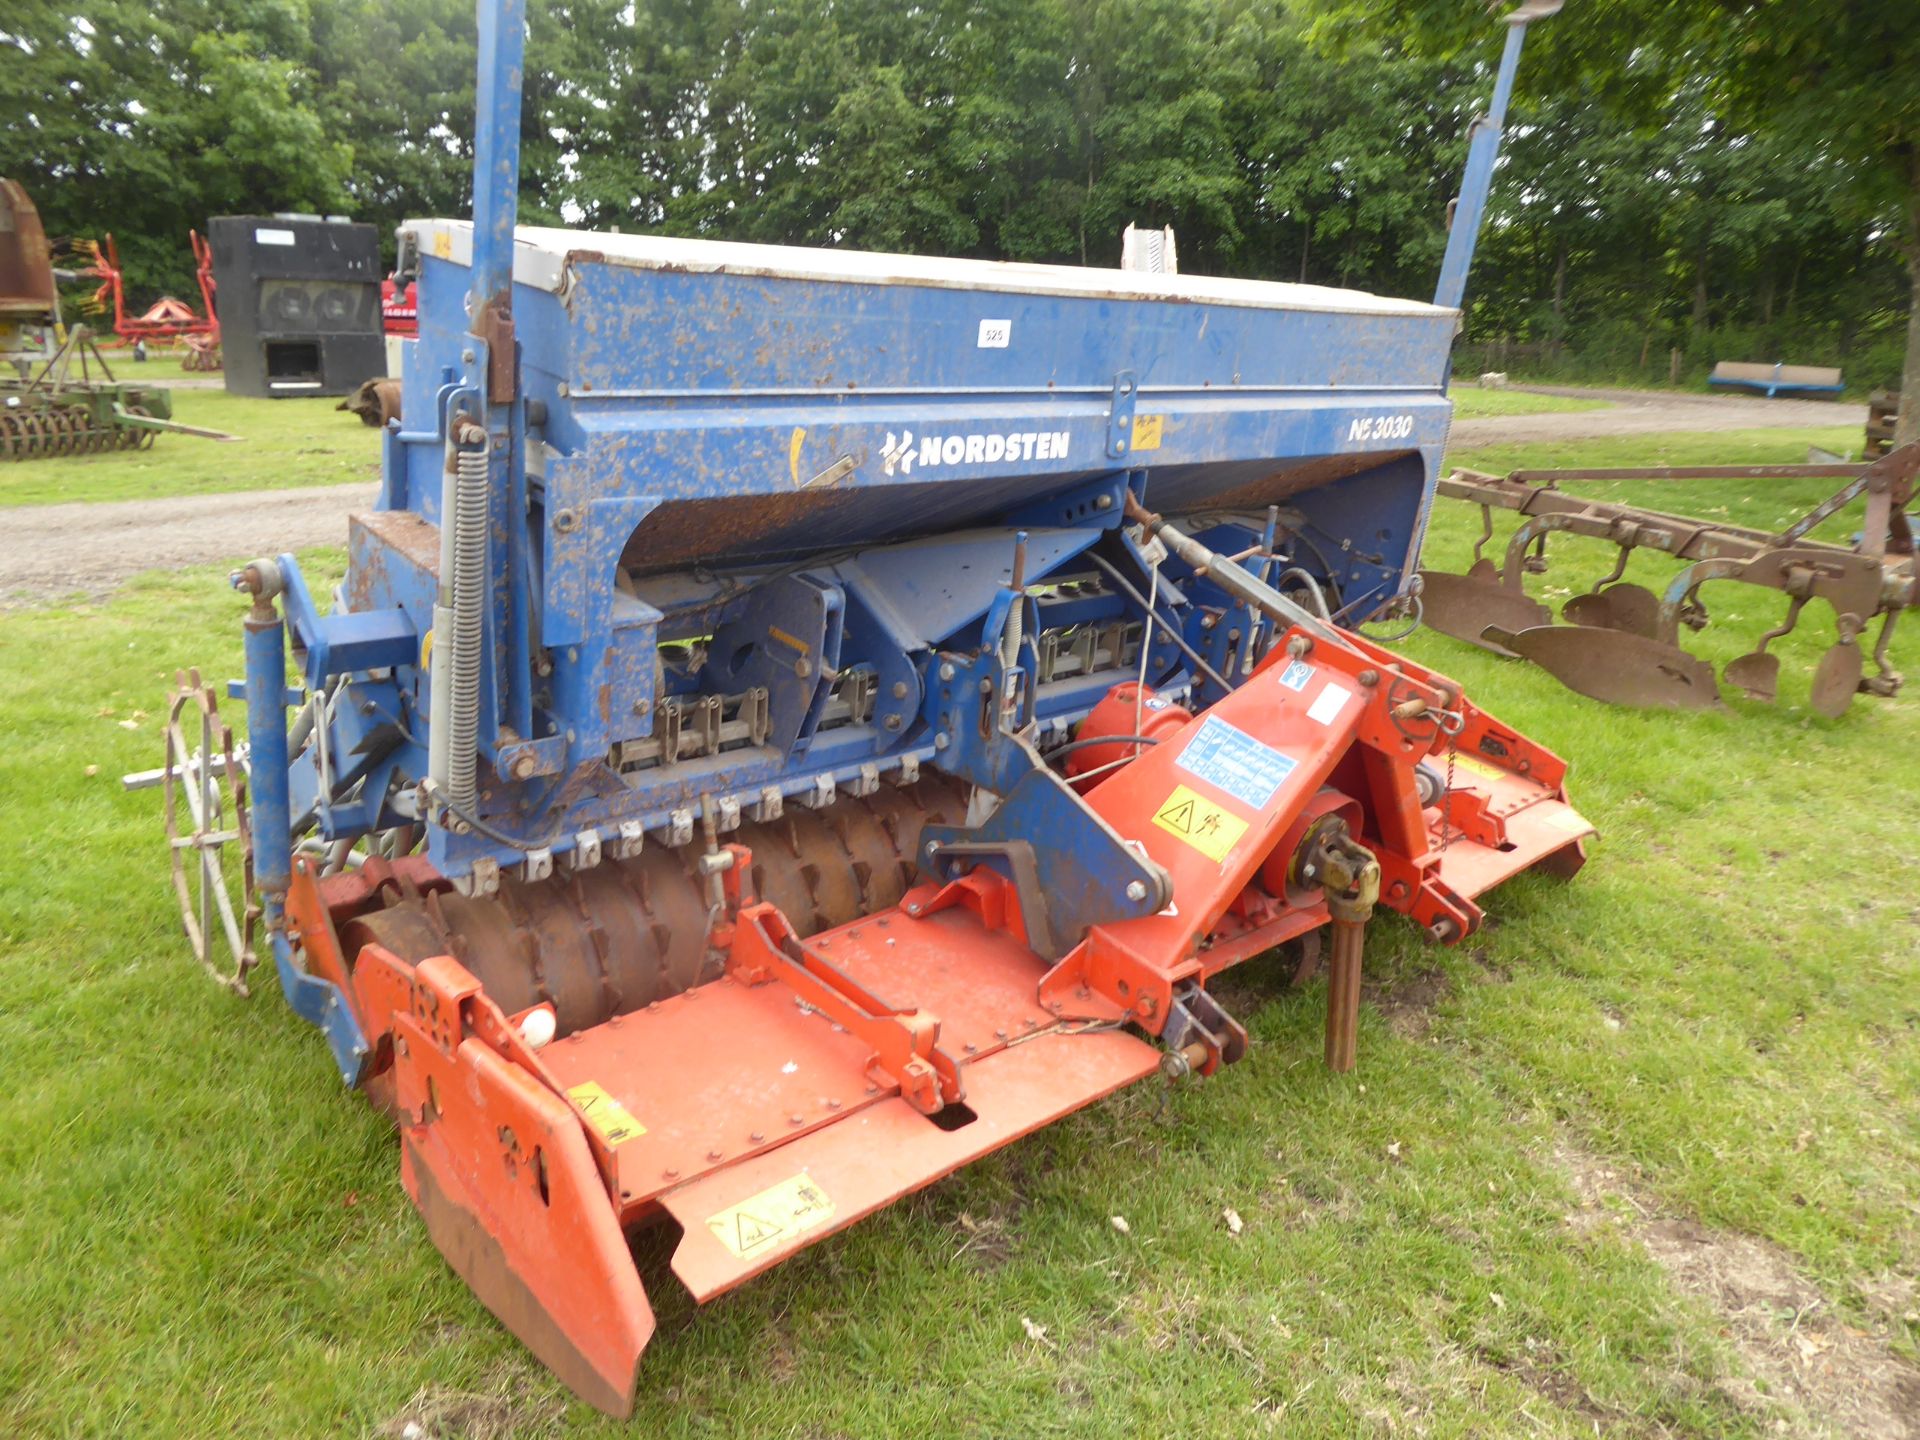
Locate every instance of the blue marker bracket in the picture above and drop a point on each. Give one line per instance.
(320, 1003)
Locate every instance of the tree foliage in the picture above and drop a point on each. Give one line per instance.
(1713, 175)
(1796, 128)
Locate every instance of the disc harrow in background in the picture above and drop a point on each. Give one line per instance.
(38, 434)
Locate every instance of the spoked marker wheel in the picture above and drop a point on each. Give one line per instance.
(208, 839)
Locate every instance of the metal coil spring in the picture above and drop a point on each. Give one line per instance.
(470, 594)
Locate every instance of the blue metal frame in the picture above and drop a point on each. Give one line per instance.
(785, 510)
(1483, 152)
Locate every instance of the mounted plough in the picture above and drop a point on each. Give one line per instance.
(1619, 642)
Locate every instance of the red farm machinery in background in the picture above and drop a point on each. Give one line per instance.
(168, 320)
(399, 307)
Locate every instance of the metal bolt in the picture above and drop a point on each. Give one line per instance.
(893, 722)
(642, 707)
(899, 689)
(755, 1136)
(1136, 890)
(669, 1174)
(946, 671)
(713, 1155)
(1104, 502)
(522, 765)
(796, 1119)
(942, 740)
(1369, 678)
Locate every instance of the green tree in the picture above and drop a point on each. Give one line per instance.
(147, 120)
(1826, 83)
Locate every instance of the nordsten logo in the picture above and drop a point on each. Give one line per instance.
(902, 452)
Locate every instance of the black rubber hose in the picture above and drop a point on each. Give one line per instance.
(1101, 740)
(1167, 629)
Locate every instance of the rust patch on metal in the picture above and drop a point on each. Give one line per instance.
(1298, 479)
(726, 526)
(401, 535)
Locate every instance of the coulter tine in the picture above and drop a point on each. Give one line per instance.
(1619, 667)
(1757, 673)
(1588, 608)
(1629, 607)
(1465, 607)
(1837, 679)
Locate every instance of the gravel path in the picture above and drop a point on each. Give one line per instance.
(1645, 412)
(56, 551)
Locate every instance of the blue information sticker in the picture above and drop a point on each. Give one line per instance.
(1233, 761)
(1296, 675)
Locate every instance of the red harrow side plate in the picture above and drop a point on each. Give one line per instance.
(817, 1080)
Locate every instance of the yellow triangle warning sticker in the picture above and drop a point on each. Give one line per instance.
(776, 1214)
(1205, 824)
(606, 1114)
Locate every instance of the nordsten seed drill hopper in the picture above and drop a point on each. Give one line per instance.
(797, 721)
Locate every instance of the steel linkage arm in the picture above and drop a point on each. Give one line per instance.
(906, 1043)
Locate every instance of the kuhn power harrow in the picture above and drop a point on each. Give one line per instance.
(797, 721)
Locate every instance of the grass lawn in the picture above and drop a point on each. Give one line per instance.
(159, 365)
(1786, 446)
(283, 444)
(1470, 402)
(202, 1234)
